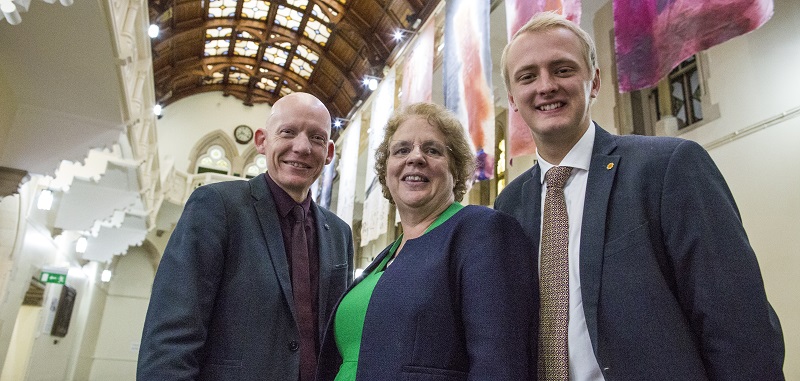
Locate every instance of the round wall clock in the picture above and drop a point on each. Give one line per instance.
(243, 134)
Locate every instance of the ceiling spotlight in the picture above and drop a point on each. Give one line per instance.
(370, 82)
(398, 35)
(105, 276)
(153, 30)
(157, 110)
(339, 122)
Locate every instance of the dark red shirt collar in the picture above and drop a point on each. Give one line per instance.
(283, 202)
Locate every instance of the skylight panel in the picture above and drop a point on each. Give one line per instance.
(288, 17)
(317, 31)
(267, 84)
(217, 47)
(222, 8)
(219, 32)
(307, 53)
(215, 78)
(245, 48)
(301, 4)
(255, 9)
(276, 55)
(316, 11)
(301, 67)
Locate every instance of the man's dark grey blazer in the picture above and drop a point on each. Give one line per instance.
(221, 307)
(670, 284)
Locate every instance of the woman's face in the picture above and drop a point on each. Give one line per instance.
(417, 172)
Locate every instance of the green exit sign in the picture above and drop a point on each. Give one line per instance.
(53, 277)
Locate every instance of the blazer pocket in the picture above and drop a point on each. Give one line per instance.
(340, 266)
(639, 235)
(221, 369)
(424, 373)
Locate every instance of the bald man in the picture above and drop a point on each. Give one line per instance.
(254, 268)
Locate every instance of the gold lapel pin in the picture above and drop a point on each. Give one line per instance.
(610, 165)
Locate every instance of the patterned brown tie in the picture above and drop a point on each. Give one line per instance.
(301, 288)
(554, 280)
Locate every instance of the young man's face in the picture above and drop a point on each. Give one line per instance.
(550, 84)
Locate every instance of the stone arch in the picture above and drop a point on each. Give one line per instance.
(248, 159)
(219, 138)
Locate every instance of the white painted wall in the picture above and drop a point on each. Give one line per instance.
(8, 106)
(16, 269)
(89, 316)
(120, 331)
(51, 356)
(761, 173)
(184, 122)
(30, 247)
(11, 212)
(16, 362)
(48, 356)
(755, 78)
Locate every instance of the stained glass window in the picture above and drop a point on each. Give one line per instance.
(222, 8)
(255, 9)
(288, 17)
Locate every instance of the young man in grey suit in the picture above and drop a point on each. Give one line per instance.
(253, 269)
(658, 279)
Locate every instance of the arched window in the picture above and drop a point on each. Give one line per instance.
(214, 160)
(256, 167)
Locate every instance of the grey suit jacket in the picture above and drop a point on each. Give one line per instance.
(670, 285)
(221, 307)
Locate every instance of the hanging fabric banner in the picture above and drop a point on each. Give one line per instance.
(348, 170)
(376, 207)
(467, 77)
(323, 187)
(518, 12)
(418, 69)
(653, 36)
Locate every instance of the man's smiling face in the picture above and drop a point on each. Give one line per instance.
(551, 84)
(296, 143)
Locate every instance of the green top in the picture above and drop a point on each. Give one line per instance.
(348, 324)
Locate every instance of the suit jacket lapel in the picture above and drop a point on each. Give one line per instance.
(271, 228)
(602, 171)
(531, 210)
(325, 262)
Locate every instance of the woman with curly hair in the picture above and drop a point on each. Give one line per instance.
(455, 297)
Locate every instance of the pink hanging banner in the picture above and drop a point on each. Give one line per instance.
(418, 70)
(467, 77)
(654, 36)
(518, 12)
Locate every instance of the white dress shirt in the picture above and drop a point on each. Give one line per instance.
(582, 362)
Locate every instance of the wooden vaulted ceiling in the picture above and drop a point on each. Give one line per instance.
(261, 50)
